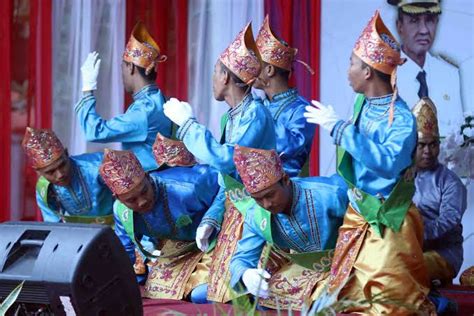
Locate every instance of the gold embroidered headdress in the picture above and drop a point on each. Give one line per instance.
(42, 147)
(426, 119)
(121, 170)
(242, 56)
(273, 51)
(378, 48)
(142, 50)
(172, 152)
(258, 168)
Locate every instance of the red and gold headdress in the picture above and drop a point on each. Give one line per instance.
(378, 48)
(258, 168)
(42, 147)
(172, 152)
(121, 170)
(426, 119)
(242, 56)
(142, 50)
(273, 51)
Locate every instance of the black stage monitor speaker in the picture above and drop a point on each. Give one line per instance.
(69, 269)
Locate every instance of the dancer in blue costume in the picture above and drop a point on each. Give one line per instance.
(379, 248)
(294, 136)
(305, 217)
(247, 123)
(69, 188)
(165, 206)
(136, 129)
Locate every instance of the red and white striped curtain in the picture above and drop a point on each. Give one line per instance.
(190, 33)
(25, 94)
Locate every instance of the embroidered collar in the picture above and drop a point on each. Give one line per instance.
(233, 112)
(81, 204)
(382, 100)
(296, 197)
(145, 90)
(292, 92)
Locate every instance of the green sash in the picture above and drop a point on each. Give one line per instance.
(316, 260)
(42, 187)
(377, 213)
(242, 201)
(224, 120)
(126, 216)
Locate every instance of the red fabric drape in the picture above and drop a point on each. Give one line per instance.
(40, 83)
(298, 22)
(41, 62)
(39, 90)
(5, 108)
(167, 22)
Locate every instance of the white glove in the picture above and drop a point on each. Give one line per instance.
(323, 115)
(90, 72)
(255, 281)
(178, 112)
(202, 236)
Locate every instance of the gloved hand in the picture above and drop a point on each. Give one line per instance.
(255, 281)
(202, 236)
(90, 72)
(323, 115)
(178, 112)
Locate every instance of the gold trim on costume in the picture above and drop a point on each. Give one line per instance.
(169, 277)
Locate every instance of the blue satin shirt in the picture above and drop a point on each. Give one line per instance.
(87, 195)
(317, 211)
(249, 124)
(136, 129)
(183, 195)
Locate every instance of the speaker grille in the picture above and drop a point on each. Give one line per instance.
(30, 293)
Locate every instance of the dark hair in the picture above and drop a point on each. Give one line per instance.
(142, 71)
(386, 78)
(280, 72)
(150, 77)
(238, 82)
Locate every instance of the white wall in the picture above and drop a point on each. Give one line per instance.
(342, 23)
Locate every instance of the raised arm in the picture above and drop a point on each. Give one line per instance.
(131, 126)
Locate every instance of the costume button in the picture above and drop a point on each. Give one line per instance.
(263, 224)
(357, 194)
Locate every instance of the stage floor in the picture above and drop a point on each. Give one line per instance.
(463, 295)
(153, 307)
